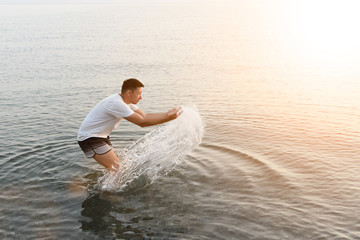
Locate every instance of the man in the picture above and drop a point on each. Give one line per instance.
(93, 136)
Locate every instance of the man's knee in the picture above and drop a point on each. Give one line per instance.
(108, 160)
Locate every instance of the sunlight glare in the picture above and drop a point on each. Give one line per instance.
(329, 28)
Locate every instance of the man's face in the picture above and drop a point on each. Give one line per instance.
(135, 96)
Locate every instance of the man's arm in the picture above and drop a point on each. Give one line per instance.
(139, 111)
(149, 119)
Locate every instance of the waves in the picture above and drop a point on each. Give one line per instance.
(158, 152)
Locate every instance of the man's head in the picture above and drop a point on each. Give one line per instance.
(131, 90)
(131, 84)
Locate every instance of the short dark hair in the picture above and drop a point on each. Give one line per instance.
(131, 84)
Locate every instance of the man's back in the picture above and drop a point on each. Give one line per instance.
(105, 117)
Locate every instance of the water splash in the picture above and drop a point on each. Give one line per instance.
(158, 152)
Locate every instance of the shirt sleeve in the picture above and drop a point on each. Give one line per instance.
(133, 107)
(120, 110)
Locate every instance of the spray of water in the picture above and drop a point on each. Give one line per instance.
(158, 152)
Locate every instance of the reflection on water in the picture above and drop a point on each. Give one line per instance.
(101, 222)
(140, 213)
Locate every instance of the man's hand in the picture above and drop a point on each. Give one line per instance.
(175, 112)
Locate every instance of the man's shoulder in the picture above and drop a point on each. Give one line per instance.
(115, 103)
(113, 99)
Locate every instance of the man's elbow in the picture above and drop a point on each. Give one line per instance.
(142, 125)
(139, 120)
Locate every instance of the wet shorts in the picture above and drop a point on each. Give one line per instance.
(96, 145)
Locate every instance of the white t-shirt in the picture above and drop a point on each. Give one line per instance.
(105, 117)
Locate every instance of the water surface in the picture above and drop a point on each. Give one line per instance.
(280, 154)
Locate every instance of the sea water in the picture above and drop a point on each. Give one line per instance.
(279, 158)
(156, 153)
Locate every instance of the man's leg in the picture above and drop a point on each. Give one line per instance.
(108, 160)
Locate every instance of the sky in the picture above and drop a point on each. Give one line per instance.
(54, 1)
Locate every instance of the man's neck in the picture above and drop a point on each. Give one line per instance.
(124, 98)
